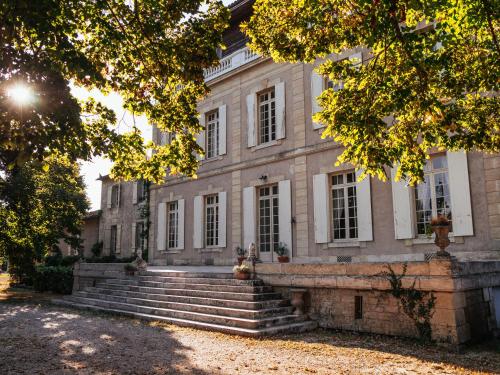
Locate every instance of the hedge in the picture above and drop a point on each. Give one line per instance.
(57, 279)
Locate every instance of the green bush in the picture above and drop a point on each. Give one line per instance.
(69, 260)
(109, 259)
(56, 279)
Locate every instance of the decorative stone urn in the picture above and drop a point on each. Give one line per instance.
(297, 300)
(441, 228)
(140, 263)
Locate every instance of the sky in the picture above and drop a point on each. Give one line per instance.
(101, 166)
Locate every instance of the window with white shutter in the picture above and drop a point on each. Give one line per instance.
(212, 134)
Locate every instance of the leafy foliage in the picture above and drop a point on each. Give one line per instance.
(152, 52)
(41, 203)
(430, 79)
(96, 249)
(57, 279)
(416, 304)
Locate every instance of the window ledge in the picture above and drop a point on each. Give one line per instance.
(211, 250)
(337, 244)
(215, 158)
(267, 144)
(172, 251)
(430, 240)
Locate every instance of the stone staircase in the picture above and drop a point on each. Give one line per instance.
(214, 301)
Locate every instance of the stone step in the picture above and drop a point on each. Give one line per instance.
(294, 327)
(188, 315)
(199, 308)
(212, 287)
(209, 275)
(201, 280)
(251, 305)
(232, 295)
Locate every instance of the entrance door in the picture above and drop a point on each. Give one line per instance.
(268, 222)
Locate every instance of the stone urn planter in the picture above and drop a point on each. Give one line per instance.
(283, 259)
(297, 300)
(130, 269)
(441, 228)
(242, 272)
(282, 251)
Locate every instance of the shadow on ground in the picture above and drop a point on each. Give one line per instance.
(40, 338)
(37, 337)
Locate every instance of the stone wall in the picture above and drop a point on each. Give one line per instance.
(464, 308)
(87, 274)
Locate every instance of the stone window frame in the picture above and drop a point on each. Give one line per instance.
(213, 152)
(270, 105)
(344, 186)
(212, 238)
(175, 212)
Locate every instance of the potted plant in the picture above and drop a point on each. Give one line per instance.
(282, 250)
(441, 227)
(130, 269)
(240, 252)
(242, 272)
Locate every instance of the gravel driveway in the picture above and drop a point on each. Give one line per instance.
(45, 339)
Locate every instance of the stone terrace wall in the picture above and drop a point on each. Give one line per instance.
(464, 308)
(87, 274)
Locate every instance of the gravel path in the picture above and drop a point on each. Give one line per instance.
(45, 339)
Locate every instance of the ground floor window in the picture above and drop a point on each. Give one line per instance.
(113, 239)
(139, 235)
(268, 218)
(172, 225)
(344, 206)
(212, 220)
(432, 197)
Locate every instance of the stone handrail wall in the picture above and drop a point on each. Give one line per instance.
(87, 274)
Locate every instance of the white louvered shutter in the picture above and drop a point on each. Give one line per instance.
(161, 239)
(180, 226)
(364, 204)
(198, 222)
(132, 242)
(251, 129)
(320, 197)
(109, 197)
(285, 214)
(461, 210)
(107, 240)
(134, 192)
(316, 90)
(249, 217)
(222, 129)
(200, 138)
(402, 208)
(119, 195)
(280, 110)
(222, 218)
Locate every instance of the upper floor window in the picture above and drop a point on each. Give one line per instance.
(115, 196)
(269, 236)
(212, 132)
(212, 220)
(173, 225)
(432, 197)
(267, 116)
(141, 190)
(329, 84)
(344, 206)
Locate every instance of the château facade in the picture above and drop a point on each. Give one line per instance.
(268, 178)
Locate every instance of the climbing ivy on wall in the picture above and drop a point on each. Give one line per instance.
(416, 304)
